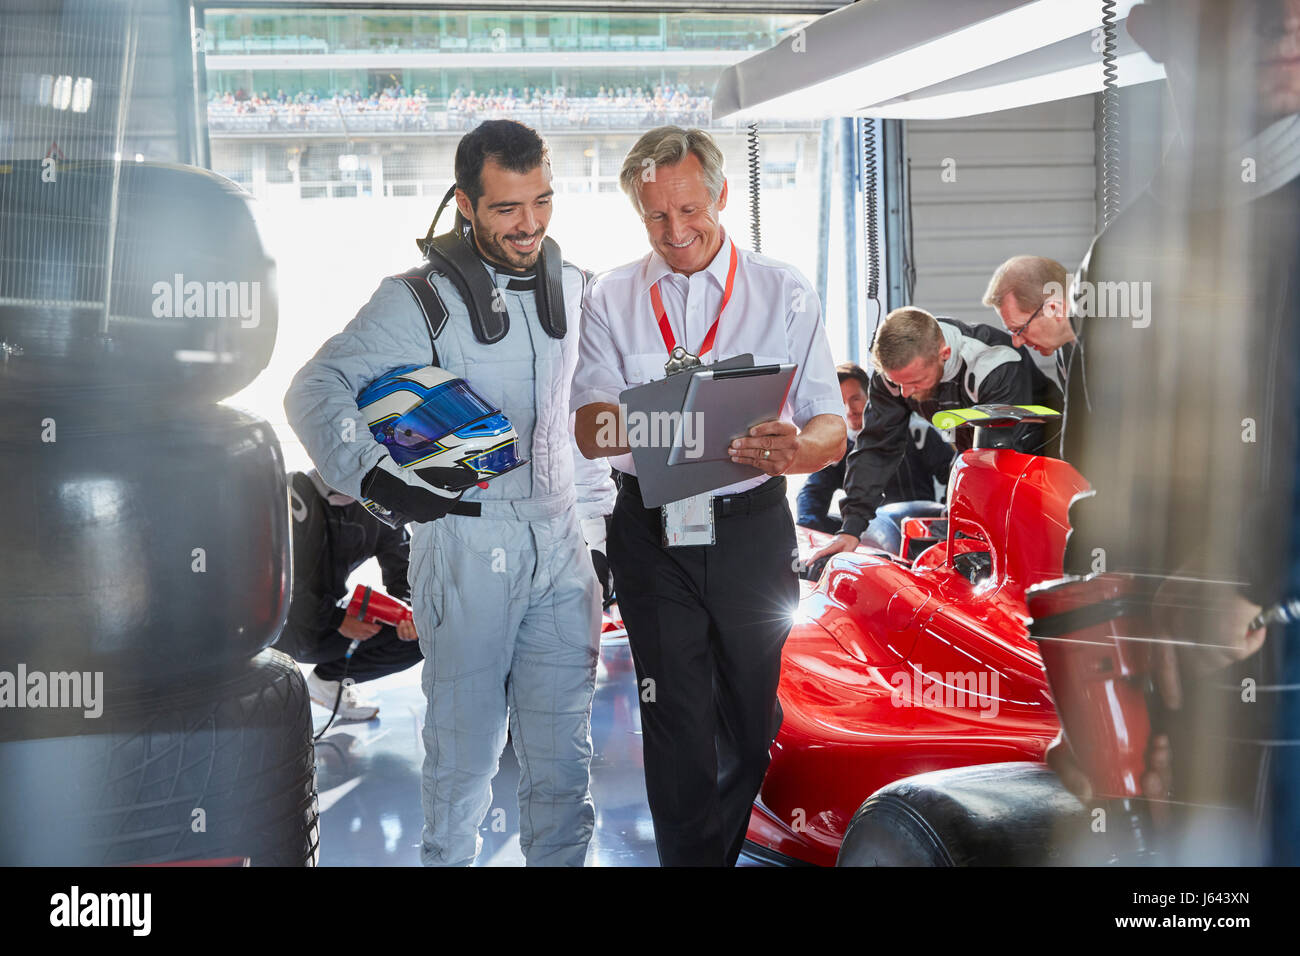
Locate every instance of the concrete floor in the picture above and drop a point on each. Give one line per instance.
(368, 775)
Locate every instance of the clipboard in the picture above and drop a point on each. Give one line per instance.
(661, 483)
(724, 404)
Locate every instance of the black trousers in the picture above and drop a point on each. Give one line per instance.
(706, 626)
(377, 656)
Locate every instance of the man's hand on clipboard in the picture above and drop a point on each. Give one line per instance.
(771, 447)
(789, 450)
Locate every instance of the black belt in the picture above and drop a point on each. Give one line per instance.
(470, 509)
(770, 493)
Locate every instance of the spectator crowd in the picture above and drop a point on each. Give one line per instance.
(394, 108)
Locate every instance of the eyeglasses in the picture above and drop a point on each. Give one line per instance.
(1021, 330)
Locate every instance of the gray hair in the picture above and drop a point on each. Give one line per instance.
(668, 146)
(1028, 279)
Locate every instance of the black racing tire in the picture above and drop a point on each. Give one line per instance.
(122, 788)
(104, 531)
(1003, 814)
(129, 229)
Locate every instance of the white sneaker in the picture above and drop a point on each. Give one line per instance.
(352, 706)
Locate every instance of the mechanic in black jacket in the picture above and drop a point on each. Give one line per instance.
(930, 364)
(333, 535)
(926, 459)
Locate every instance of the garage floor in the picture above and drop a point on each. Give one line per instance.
(368, 775)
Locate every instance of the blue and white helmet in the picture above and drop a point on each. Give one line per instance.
(428, 418)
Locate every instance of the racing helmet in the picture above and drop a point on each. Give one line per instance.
(428, 418)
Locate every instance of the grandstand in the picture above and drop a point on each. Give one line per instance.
(395, 111)
(325, 104)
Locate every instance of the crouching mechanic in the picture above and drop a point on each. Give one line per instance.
(506, 603)
(930, 364)
(333, 535)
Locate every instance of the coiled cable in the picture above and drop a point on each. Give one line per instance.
(1109, 115)
(870, 220)
(755, 180)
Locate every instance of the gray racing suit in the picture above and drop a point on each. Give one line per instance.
(506, 603)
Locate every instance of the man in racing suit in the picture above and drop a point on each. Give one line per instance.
(506, 603)
(930, 364)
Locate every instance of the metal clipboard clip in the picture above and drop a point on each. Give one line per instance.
(679, 360)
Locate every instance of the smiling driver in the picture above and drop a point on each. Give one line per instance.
(506, 603)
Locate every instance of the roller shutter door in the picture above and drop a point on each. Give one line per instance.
(1018, 181)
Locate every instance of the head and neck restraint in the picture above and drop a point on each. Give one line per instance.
(455, 255)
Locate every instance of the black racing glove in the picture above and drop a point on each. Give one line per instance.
(594, 532)
(604, 576)
(416, 494)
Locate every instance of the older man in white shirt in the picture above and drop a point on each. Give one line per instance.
(706, 623)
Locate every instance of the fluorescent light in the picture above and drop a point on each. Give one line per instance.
(1056, 72)
(81, 93)
(870, 53)
(62, 94)
(1064, 84)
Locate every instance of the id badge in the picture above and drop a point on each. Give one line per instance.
(688, 522)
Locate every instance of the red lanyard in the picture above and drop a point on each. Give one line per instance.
(666, 330)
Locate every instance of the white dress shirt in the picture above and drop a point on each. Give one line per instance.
(773, 313)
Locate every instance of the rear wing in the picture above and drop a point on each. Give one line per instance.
(991, 416)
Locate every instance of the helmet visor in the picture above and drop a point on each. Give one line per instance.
(451, 406)
(496, 461)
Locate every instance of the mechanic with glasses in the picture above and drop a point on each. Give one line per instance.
(925, 364)
(1029, 295)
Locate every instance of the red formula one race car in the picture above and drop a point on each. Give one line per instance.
(899, 666)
